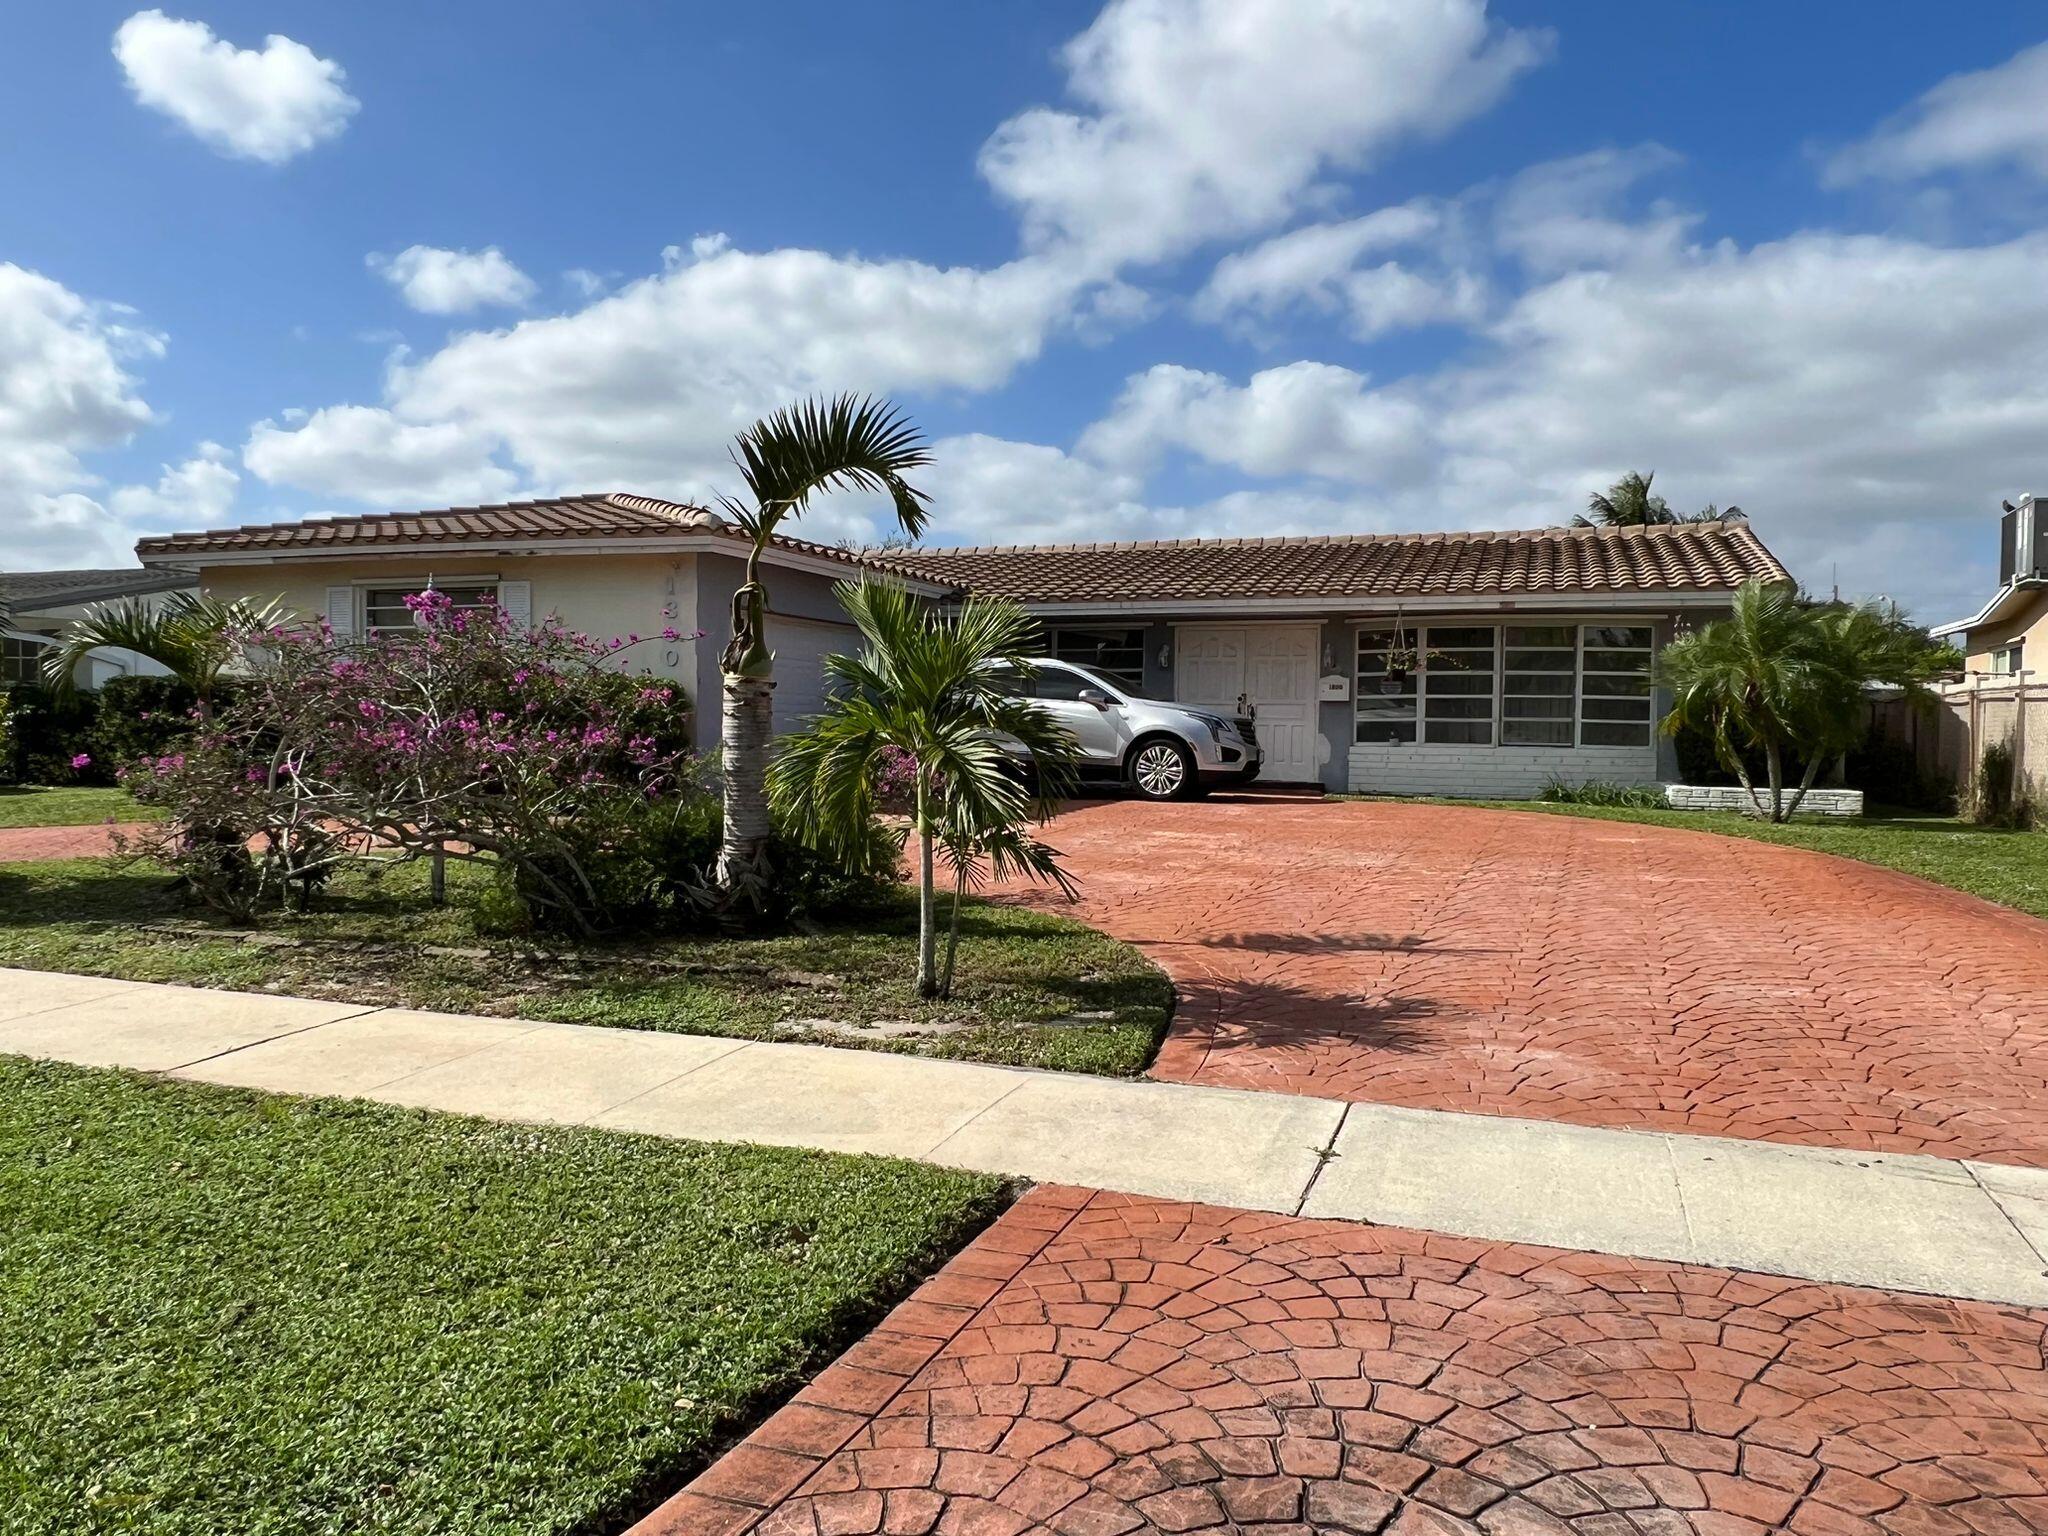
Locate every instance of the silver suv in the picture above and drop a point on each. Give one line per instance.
(1162, 751)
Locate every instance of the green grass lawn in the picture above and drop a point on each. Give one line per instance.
(1032, 989)
(230, 1312)
(36, 805)
(2010, 868)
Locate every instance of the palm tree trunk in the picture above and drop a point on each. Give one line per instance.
(1805, 783)
(746, 731)
(1776, 769)
(953, 927)
(927, 900)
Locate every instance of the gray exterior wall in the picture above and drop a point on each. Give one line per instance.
(1507, 772)
(793, 594)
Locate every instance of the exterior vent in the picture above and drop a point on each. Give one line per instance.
(2023, 542)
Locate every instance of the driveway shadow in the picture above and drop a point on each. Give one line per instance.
(1246, 1012)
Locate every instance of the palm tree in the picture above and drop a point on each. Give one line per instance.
(191, 636)
(1630, 503)
(1783, 675)
(934, 689)
(850, 442)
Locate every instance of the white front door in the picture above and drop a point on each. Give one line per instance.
(1269, 667)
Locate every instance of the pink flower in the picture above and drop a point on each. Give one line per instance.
(82, 760)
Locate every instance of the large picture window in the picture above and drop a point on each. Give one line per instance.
(384, 610)
(1512, 685)
(1119, 652)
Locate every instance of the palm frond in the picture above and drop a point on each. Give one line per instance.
(851, 442)
(189, 634)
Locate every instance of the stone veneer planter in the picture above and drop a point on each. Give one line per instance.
(1732, 797)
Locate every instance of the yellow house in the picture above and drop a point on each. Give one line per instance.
(2008, 636)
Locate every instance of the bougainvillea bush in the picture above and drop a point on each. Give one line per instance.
(467, 736)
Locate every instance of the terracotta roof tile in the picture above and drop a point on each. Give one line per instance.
(1542, 561)
(611, 515)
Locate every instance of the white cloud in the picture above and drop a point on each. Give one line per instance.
(1867, 399)
(1570, 213)
(1212, 118)
(199, 493)
(1317, 268)
(1301, 419)
(646, 387)
(442, 282)
(65, 391)
(365, 454)
(1987, 117)
(267, 105)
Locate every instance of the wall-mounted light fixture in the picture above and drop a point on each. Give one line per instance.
(1165, 655)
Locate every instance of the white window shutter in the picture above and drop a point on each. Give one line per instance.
(341, 612)
(516, 599)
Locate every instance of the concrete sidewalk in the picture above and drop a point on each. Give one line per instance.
(1904, 1222)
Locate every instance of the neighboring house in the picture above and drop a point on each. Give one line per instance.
(1534, 647)
(2009, 634)
(38, 605)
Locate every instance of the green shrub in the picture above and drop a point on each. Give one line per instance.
(49, 733)
(2000, 795)
(145, 717)
(1603, 792)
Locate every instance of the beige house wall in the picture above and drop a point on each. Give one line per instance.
(2028, 628)
(602, 595)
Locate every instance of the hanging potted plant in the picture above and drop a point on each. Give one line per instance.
(1402, 661)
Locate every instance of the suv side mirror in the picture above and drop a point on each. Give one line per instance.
(1094, 696)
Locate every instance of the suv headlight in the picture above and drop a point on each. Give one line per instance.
(1215, 723)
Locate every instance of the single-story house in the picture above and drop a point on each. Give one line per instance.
(35, 606)
(1532, 650)
(2009, 634)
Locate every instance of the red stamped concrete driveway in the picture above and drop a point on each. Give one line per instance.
(18, 844)
(1587, 971)
(1102, 1365)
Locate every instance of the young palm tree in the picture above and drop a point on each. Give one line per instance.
(932, 688)
(1749, 682)
(192, 637)
(1783, 675)
(851, 442)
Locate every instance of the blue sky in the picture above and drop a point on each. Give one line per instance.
(1161, 268)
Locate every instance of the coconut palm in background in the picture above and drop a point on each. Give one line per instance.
(192, 637)
(1630, 503)
(852, 443)
(1784, 677)
(932, 689)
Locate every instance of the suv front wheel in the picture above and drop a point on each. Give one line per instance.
(1162, 769)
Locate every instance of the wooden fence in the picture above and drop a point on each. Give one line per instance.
(1950, 738)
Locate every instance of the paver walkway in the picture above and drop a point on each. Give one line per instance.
(1098, 1364)
(1950, 1228)
(1593, 972)
(19, 844)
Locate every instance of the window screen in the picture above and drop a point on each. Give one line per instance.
(1386, 705)
(1539, 682)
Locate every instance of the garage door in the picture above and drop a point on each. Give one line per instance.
(800, 647)
(1272, 668)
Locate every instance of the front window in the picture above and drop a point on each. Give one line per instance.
(1514, 685)
(1386, 691)
(21, 661)
(1117, 653)
(384, 610)
(2005, 661)
(1614, 703)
